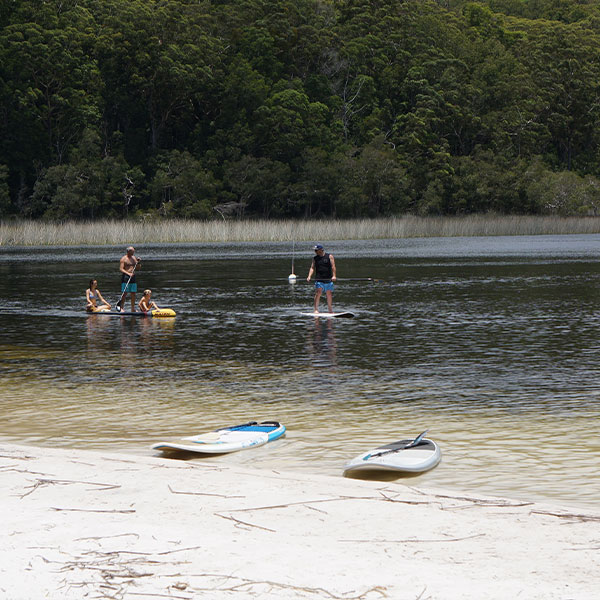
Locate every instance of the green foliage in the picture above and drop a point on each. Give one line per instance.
(563, 193)
(182, 187)
(4, 192)
(247, 108)
(259, 184)
(374, 183)
(90, 185)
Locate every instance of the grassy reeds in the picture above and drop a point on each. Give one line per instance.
(37, 233)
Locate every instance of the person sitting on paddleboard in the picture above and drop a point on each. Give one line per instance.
(145, 303)
(323, 267)
(127, 266)
(93, 296)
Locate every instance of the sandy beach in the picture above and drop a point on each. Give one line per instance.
(93, 525)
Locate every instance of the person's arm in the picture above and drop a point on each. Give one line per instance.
(138, 263)
(312, 270)
(101, 298)
(87, 297)
(122, 267)
(333, 275)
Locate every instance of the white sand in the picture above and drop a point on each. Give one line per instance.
(90, 525)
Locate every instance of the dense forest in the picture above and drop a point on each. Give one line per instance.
(298, 108)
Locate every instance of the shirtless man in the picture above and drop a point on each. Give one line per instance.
(127, 266)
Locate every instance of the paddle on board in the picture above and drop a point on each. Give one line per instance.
(414, 442)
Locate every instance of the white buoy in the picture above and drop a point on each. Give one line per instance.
(292, 278)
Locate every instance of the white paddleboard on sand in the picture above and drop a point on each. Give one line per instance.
(328, 315)
(227, 439)
(408, 456)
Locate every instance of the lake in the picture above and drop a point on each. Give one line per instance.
(490, 342)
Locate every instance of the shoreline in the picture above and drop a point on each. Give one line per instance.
(22, 233)
(106, 525)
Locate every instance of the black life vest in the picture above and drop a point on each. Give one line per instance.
(323, 270)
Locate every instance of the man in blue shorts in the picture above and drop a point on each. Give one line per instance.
(323, 267)
(127, 266)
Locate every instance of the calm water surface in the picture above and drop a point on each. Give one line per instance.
(492, 343)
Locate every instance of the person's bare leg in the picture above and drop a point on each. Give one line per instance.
(330, 300)
(318, 293)
(132, 301)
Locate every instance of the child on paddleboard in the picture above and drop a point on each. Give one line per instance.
(145, 303)
(93, 296)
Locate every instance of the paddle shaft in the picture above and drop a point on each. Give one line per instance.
(414, 442)
(342, 279)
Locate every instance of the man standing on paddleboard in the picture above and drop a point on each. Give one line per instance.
(323, 266)
(127, 265)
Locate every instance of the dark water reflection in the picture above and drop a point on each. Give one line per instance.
(490, 342)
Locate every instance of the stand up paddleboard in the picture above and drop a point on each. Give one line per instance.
(328, 315)
(227, 439)
(407, 456)
(158, 313)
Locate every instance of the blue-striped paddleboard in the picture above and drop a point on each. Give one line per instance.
(226, 439)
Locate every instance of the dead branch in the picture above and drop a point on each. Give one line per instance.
(8, 469)
(413, 541)
(579, 517)
(301, 503)
(178, 550)
(202, 494)
(477, 501)
(42, 482)
(95, 510)
(106, 537)
(487, 504)
(13, 457)
(239, 522)
(151, 595)
(319, 591)
(421, 594)
(387, 498)
(115, 553)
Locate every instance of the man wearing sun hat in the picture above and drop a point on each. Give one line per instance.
(323, 267)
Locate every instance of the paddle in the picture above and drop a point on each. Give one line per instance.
(411, 444)
(119, 307)
(360, 279)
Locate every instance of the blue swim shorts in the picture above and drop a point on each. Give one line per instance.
(131, 288)
(324, 285)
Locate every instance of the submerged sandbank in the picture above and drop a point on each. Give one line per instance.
(82, 524)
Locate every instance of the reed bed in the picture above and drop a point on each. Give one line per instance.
(112, 232)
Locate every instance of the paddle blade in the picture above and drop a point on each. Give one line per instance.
(417, 440)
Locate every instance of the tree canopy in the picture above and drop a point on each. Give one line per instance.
(304, 108)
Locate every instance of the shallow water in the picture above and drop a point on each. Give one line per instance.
(490, 342)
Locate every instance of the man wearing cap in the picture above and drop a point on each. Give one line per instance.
(323, 267)
(127, 266)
